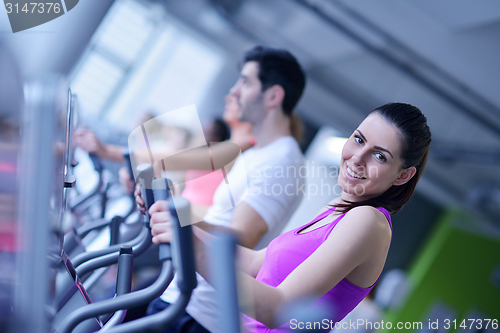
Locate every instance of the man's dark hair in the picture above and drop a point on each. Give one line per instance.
(277, 66)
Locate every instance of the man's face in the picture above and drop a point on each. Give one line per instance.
(249, 94)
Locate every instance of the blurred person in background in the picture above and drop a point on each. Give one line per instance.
(167, 138)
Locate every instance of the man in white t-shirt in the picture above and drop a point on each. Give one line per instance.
(264, 181)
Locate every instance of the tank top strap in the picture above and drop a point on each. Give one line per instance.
(320, 216)
(387, 215)
(324, 214)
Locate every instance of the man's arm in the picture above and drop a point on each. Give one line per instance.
(249, 227)
(246, 224)
(248, 260)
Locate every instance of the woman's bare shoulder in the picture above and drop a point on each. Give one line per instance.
(368, 219)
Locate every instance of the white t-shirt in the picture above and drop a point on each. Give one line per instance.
(269, 180)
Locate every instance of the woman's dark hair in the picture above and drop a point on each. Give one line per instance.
(221, 130)
(296, 128)
(216, 131)
(280, 67)
(416, 139)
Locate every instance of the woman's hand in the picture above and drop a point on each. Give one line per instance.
(138, 199)
(160, 222)
(140, 202)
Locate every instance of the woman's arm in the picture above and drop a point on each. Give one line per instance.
(356, 249)
(88, 141)
(360, 241)
(218, 155)
(249, 261)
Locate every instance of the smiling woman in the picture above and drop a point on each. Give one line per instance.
(342, 251)
(384, 158)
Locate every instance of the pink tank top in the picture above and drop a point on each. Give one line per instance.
(201, 186)
(288, 251)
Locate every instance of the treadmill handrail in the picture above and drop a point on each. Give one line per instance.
(86, 256)
(121, 302)
(112, 258)
(156, 320)
(116, 319)
(185, 264)
(145, 177)
(89, 261)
